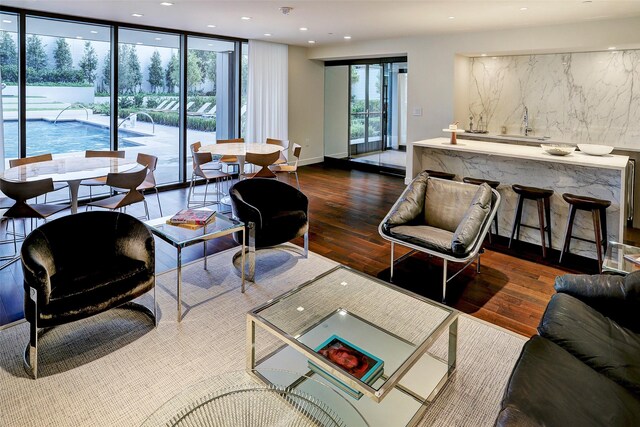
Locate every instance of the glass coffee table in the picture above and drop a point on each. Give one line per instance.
(618, 258)
(378, 324)
(181, 237)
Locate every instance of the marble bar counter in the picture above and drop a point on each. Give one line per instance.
(602, 177)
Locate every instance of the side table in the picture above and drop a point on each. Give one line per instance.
(181, 237)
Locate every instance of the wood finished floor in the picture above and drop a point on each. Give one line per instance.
(346, 207)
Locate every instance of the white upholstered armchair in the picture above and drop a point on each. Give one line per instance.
(443, 218)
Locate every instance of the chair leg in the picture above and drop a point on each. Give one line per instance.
(252, 251)
(603, 222)
(146, 208)
(191, 184)
(159, 205)
(516, 220)
(596, 228)
(540, 204)
(444, 282)
(568, 232)
(155, 308)
(392, 261)
(33, 335)
(547, 214)
(306, 244)
(478, 263)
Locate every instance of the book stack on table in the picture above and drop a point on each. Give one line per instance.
(192, 218)
(357, 362)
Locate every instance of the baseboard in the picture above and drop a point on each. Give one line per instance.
(310, 161)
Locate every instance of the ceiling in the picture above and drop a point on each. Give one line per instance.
(328, 22)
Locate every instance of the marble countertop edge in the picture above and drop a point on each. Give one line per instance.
(610, 161)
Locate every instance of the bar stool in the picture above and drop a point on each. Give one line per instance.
(441, 175)
(598, 209)
(492, 184)
(541, 196)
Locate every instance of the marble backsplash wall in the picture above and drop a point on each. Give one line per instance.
(589, 97)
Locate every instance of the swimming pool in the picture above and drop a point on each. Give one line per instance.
(63, 137)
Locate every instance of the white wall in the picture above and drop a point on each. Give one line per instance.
(432, 60)
(336, 111)
(306, 105)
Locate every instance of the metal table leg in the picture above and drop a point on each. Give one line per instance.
(179, 272)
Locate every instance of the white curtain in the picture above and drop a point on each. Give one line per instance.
(267, 92)
(1, 128)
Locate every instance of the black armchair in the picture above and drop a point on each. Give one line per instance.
(274, 213)
(83, 264)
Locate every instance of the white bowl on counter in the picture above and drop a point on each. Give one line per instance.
(595, 149)
(558, 149)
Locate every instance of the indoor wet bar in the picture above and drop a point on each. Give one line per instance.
(601, 177)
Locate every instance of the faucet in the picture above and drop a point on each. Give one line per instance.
(525, 122)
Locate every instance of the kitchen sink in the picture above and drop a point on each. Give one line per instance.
(531, 138)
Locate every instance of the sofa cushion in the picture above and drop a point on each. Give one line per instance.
(549, 386)
(596, 340)
(446, 203)
(411, 204)
(475, 217)
(425, 236)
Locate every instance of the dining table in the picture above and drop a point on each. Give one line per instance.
(72, 170)
(240, 150)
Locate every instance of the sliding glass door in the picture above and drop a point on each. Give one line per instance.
(366, 113)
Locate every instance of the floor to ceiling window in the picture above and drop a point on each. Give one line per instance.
(149, 98)
(9, 86)
(71, 92)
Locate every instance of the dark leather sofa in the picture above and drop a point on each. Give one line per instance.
(583, 369)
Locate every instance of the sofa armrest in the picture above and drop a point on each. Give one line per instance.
(615, 296)
(134, 240)
(409, 205)
(37, 265)
(244, 211)
(469, 229)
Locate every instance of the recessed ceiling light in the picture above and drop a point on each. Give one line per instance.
(137, 15)
(494, 57)
(79, 37)
(211, 26)
(303, 28)
(587, 1)
(246, 18)
(523, 8)
(311, 41)
(6, 21)
(139, 43)
(611, 48)
(210, 44)
(484, 54)
(267, 34)
(452, 17)
(347, 37)
(158, 38)
(93, 32)
(166, 3)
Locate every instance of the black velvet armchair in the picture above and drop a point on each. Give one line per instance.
(81, 265)
(274, 213)
(443, 218)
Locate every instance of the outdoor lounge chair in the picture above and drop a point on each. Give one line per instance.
(200, 111)
(160, 106)
(211, 112)
(166, 106)
(447, 219)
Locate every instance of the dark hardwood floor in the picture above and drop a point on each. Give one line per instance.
(346, 207)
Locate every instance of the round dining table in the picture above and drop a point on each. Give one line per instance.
(240, 150)
(71, 170)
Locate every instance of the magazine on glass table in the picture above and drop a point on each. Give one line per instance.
(192, 218)
(357, 362)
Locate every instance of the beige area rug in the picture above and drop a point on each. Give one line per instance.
(115, 369)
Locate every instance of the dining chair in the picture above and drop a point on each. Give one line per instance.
(149, 183)
(195, 147)
(283, 154)
(96, 182)
(20, 192)
(37, 159)
(129, 182)
(289, 168)
(217, 175)
(230, 160)
(263, 160)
